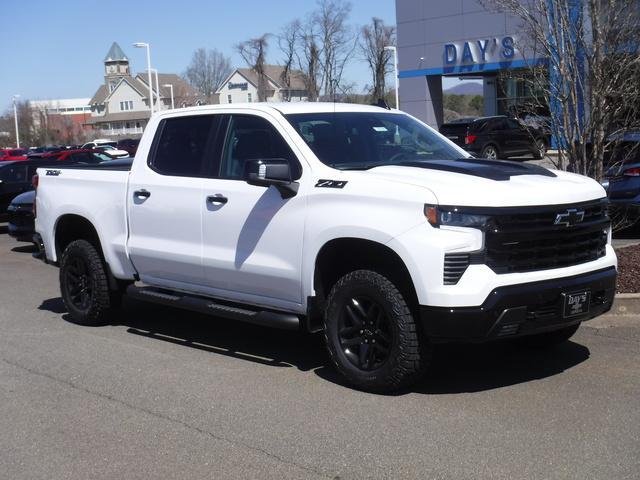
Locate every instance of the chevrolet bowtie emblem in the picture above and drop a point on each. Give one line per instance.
(570, 217)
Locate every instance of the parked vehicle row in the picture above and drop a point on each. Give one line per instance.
(122, 148)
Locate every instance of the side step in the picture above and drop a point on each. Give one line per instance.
(286, 321)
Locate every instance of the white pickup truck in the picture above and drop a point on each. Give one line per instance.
(355, 220)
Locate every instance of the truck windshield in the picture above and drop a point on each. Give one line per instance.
(363, 140)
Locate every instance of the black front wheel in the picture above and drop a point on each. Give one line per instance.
(371, 334)
(84, 285)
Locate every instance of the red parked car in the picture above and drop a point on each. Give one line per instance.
(12, 154)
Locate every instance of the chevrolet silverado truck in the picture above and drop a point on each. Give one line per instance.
(357, 221)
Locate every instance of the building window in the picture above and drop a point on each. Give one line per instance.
(249, 97)
(126, 105)
(229, 99)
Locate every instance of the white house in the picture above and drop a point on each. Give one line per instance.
(242, 86)
(120, 106)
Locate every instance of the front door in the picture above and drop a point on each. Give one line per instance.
(252, 237)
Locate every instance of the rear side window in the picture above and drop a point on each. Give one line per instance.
(181, 145)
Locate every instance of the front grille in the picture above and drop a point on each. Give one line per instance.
(529, 241)
(455, 265)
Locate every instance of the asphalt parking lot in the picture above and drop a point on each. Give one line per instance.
(167, 394)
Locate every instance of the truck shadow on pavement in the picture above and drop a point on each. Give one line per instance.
(454, 368)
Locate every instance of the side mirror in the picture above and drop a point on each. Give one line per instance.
(271, 171)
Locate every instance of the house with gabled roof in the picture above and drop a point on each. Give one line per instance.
(120, 106)
(242, 86)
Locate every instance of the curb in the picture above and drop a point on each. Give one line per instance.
(625, 304)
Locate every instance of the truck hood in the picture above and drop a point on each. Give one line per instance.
(497, 183)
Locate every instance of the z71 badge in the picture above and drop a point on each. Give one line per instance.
(331, 183)
(53, 173)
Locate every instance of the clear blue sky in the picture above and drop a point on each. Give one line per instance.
(54, 49)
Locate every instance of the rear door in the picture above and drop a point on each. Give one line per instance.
(164, 203)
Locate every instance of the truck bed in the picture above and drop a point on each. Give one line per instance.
(97, 193)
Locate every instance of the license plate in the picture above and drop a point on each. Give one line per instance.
(576, 303)
(452, 137)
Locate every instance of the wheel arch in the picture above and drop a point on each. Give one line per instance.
(70, 227)
(339, 256)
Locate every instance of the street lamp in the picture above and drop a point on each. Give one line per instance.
(146, 45)
(170, 87)
(395, 70)
(159, 105)
(15, 117)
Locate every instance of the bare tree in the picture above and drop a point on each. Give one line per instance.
(585, 61)
(337, 41)
(374, 37)
(288, 41)
(309, 61)
(254, 53)
(207, 70)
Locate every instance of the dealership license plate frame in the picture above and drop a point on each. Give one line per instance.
(568, 309)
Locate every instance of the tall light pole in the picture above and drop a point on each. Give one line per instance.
(15, 117)
(395, 70)
(146, 45)
(159, 105)
(170, 87)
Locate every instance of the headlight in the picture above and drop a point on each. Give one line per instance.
(451, 216)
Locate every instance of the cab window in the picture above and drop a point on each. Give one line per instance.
(250, 138)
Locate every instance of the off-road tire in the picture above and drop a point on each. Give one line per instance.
(93, 307)
(408, 351)
(550, 339)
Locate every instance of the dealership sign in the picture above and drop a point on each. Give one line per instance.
(479, 51)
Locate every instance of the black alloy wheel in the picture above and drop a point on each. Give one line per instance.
(84, 286)
(371, 333)
(364, 333)
(79, 283)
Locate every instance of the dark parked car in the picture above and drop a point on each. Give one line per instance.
(128, 144)
(623, 175)
(21, 222)
(21, 219)
(496, 137)
(15, 177)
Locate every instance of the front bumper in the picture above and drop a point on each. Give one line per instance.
(519, 310)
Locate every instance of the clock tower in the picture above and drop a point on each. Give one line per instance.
(116, 66)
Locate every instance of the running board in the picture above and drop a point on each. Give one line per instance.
(286, 321)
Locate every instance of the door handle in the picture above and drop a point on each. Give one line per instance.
(217, 199)
(142, 193)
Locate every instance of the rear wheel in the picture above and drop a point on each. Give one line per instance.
(371, 335)
(551, 339)
(84, 285)
(490, 152)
